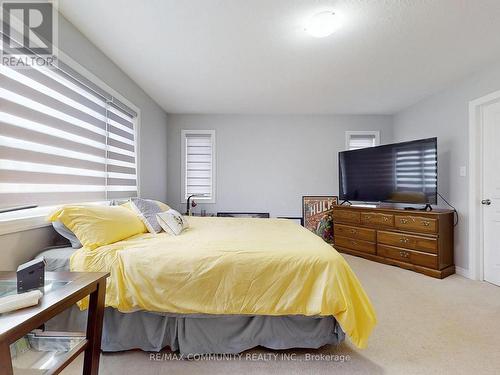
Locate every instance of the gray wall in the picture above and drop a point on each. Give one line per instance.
(19, 247)
(267, 162)
(446, 116)
(153, 130)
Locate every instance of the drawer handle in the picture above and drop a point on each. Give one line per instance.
(354, 243)
(354, 231)
(404, 254)
(403, 221)
(386, 218)
(404, 240)
(426, 223)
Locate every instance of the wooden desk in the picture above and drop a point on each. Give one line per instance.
(15, 325)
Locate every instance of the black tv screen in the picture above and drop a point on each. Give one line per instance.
(400, 173)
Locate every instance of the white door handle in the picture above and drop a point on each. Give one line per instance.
(486, 202)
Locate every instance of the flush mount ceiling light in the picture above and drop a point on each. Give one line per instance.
(323, 24)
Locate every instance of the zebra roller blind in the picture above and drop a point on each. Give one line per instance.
(199, 164)
(62, 139)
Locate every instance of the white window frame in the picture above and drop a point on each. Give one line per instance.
(350, 133)
(184, 134)
(18, 221)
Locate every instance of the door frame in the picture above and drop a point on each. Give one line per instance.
(476, 130)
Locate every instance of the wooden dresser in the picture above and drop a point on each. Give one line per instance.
(420, 241)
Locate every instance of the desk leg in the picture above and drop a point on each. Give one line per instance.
(94, 330)
(5, 360)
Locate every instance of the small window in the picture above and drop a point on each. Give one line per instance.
(198, 164)
(361, 139)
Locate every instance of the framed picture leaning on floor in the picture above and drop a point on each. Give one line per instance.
(317, 214)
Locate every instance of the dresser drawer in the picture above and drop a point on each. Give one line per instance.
(357, 245)
(416, 223)
(355, 232)
(407, 256)
(376, 218)
(428, 245)
(346, 216)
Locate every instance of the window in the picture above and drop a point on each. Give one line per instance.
(198, 164)
(355, 140)
(63, 139)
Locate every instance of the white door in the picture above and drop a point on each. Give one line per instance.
(491, 192)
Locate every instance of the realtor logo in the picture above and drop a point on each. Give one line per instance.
(28, 33)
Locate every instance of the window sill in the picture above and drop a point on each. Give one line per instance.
(19, 221)
(200, 201)
(33, 218)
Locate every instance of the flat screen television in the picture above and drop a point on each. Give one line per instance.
(400, 173)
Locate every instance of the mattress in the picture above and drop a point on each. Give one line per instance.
(228, 266)
(200, 334)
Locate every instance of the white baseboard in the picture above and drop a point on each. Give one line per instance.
(462, 272)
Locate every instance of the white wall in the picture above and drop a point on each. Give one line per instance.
(19, 247)
(265, 163)
(445, 115)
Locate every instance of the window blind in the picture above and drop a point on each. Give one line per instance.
(199, 165)
(358, 141)
(62, 140)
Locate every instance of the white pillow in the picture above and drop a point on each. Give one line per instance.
(172, 222)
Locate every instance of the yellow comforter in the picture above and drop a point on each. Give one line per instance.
(233, 266)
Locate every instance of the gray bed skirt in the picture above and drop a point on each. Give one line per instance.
(203, 334)
(195, 334)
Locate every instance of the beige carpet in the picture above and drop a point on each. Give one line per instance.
(426, 326)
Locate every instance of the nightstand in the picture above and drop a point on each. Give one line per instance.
(46, 352)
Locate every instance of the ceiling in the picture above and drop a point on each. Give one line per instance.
(253, 56)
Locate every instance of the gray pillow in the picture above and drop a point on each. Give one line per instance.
(66, 233)
(146, 210)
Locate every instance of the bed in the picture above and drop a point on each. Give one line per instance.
(223, 286)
